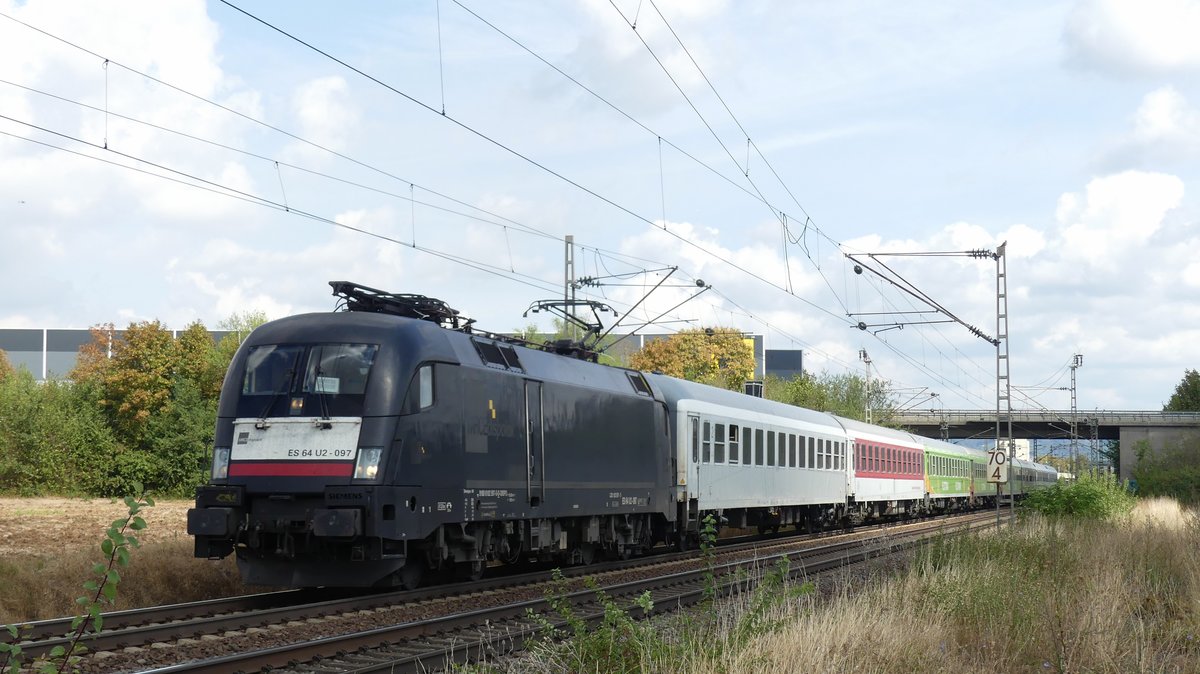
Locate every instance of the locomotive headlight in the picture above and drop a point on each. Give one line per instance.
(367, 465)
(220, 466)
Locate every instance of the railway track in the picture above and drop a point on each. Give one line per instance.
(134, 628)
(419, 630)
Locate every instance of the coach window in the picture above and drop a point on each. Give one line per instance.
(733, 443)
(792, 450)
(758, 447)
(770, 448)
(747, 440)
(719, 444)
(707, 442)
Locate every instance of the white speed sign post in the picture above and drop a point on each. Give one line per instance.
(997, 470)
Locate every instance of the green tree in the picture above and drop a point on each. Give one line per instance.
(6, 367)
(1186, 397)
(841, 394)
(200, 361)
(139, 381)
(718, 356)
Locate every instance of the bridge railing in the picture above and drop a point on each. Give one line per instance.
(1102, 417)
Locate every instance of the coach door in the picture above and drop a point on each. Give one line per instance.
(535, 443)
(693, 435)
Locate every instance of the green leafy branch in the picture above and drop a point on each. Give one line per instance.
(118, 540)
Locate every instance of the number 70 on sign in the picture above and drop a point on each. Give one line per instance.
(997, 470)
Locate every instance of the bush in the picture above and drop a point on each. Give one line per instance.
(1091, 496)
(51, 439)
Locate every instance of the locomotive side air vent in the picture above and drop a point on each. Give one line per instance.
(495, 355)
(639, 383)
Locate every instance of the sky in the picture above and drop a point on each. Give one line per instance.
(182, 161)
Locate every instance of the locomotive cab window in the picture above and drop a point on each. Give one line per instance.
(270, 369)
(306, 379)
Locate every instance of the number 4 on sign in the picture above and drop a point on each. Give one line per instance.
(997, 469)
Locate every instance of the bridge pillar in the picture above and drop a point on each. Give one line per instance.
(1154, 439)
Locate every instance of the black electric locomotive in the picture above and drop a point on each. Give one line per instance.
(371, 447)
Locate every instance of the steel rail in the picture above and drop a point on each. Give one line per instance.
(427, 645)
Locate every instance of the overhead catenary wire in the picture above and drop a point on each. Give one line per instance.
(187, 179)
(785, 289)
(485, 137)
(493, 218)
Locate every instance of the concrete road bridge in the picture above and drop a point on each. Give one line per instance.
(1128, 426)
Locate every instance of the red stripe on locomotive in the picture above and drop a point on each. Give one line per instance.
(306, 468)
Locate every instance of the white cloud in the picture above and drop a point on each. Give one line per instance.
(1165, 129)
(325, 112)
(1191, 275)
(1134, 36)
(1117, 215)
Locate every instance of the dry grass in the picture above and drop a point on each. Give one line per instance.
(1047, 596)
(1065, 597)
(47, 548)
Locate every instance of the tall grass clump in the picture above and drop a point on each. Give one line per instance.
(735, 611)
(1094, 496)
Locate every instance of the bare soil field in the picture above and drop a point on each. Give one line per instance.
(43, 527)
(48, 546)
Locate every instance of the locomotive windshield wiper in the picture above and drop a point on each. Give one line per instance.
(271, 403)
(285, 386)
(319, 389)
